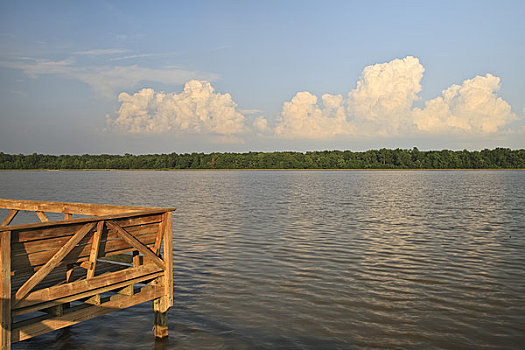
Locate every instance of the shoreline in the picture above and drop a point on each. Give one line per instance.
(66, 170)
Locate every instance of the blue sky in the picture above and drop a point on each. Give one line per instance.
(117, 77)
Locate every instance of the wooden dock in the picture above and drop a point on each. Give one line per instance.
(55, 274)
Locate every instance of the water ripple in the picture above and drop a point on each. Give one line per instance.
(311, 260)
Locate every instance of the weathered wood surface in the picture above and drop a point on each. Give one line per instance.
(135, 243)
(57, 275)
(5, 289)
(95, 247)
(9, 217)
(52, 263)
(86, 219)
(24, 234)
(162, 305)
(42, 216)
(26, 330)
(35, 253)
(168, 257)
(70, 208)
(45, 266)
(55, 280)
(77, 287)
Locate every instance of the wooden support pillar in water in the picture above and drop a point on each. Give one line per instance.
(162, 305)
(160, 322)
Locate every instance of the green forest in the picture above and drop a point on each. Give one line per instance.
(498, 158)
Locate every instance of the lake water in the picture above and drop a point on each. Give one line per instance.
(317, 259)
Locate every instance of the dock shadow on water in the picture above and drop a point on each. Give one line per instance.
(309, 260)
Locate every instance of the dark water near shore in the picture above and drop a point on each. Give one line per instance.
(317, 259)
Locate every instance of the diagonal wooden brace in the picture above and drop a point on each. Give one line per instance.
(42, 216)
(9, 217)
(95, 246)
(135, 243)
(53, 262)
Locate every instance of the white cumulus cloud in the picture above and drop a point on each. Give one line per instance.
(382, 105)
(385, 93)
(472, 107)
(261, 125)
(303, 117)
(197, 109)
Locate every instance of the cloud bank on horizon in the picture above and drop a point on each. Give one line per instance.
(381, 105)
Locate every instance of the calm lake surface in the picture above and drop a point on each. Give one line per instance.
(316, 259)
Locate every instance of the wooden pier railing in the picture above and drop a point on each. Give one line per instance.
(54, 274)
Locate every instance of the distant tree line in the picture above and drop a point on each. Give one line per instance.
(499, 158)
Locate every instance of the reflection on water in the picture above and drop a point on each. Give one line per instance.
(310, 259)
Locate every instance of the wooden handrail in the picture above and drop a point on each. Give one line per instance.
(88, 219)
(69, 208)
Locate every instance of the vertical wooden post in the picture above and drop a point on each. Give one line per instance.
(168, 258)
(160, 320)
(137, 259)
(70, 268)
(5, 289)
(162, 305)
